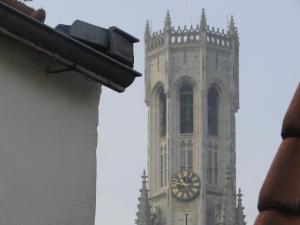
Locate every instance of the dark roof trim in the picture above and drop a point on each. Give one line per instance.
(106, 70)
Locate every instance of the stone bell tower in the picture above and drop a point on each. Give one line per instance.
(192, 93)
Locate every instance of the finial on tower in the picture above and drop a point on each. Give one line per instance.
(240, 219)
(203, 22)
(231, 24)
(168, 22)
(240, 195)
(147, 34)
(144, 177)
(232, 27)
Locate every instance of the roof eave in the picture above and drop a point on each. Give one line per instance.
(108, 71)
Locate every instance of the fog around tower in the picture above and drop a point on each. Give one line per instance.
(269, 74)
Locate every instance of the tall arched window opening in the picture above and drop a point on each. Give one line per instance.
(213, 111)
(186, 108)
(162, 113)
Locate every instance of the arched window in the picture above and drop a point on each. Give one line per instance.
(186, 155)
(213, 111)
(186, 108)
(162, 113)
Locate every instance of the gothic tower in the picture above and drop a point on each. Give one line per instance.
(192, 93)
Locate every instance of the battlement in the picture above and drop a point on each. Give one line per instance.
(210, 35)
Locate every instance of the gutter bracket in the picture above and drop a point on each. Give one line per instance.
(56, 66)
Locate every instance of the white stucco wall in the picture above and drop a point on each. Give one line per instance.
(48, 138)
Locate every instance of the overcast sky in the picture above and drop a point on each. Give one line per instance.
(269, 73)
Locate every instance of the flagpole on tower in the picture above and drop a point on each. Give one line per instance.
(190, 13)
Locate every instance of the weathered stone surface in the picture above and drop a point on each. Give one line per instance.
(203, 58)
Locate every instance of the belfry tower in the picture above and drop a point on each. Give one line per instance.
(192, 92)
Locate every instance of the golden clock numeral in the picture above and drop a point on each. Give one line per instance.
(185, 185)
(185, 196)
(179, 194)
(174, 185)
(175, 190)
(194, 178)
(175, 180)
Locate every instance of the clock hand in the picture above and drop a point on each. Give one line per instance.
(184, 184)
(181, 180)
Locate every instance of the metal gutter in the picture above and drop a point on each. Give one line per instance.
(83, 58)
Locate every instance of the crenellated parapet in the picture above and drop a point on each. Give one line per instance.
(186, 35)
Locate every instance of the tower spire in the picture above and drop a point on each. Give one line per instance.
(143, 214)
(168, 22)
(147, 34)
(203, 22)
(240, 217)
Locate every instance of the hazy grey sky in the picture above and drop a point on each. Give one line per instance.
(269, 73)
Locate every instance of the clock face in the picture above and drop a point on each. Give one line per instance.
(185, 185)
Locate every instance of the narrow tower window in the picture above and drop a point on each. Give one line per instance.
(215, 165)
(165, 165)
(186, 108)
(212, 165)
(213, 111)
(182, 155)
(186, 155)
(161, 166)
(190, 155)
(162, 113)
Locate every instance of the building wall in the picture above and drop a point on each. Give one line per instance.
(48, 140)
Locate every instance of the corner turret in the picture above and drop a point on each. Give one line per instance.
(147, 34)
(203, 22)
(143, 214)
(233, 31)
(168, 22)
(240, 217)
